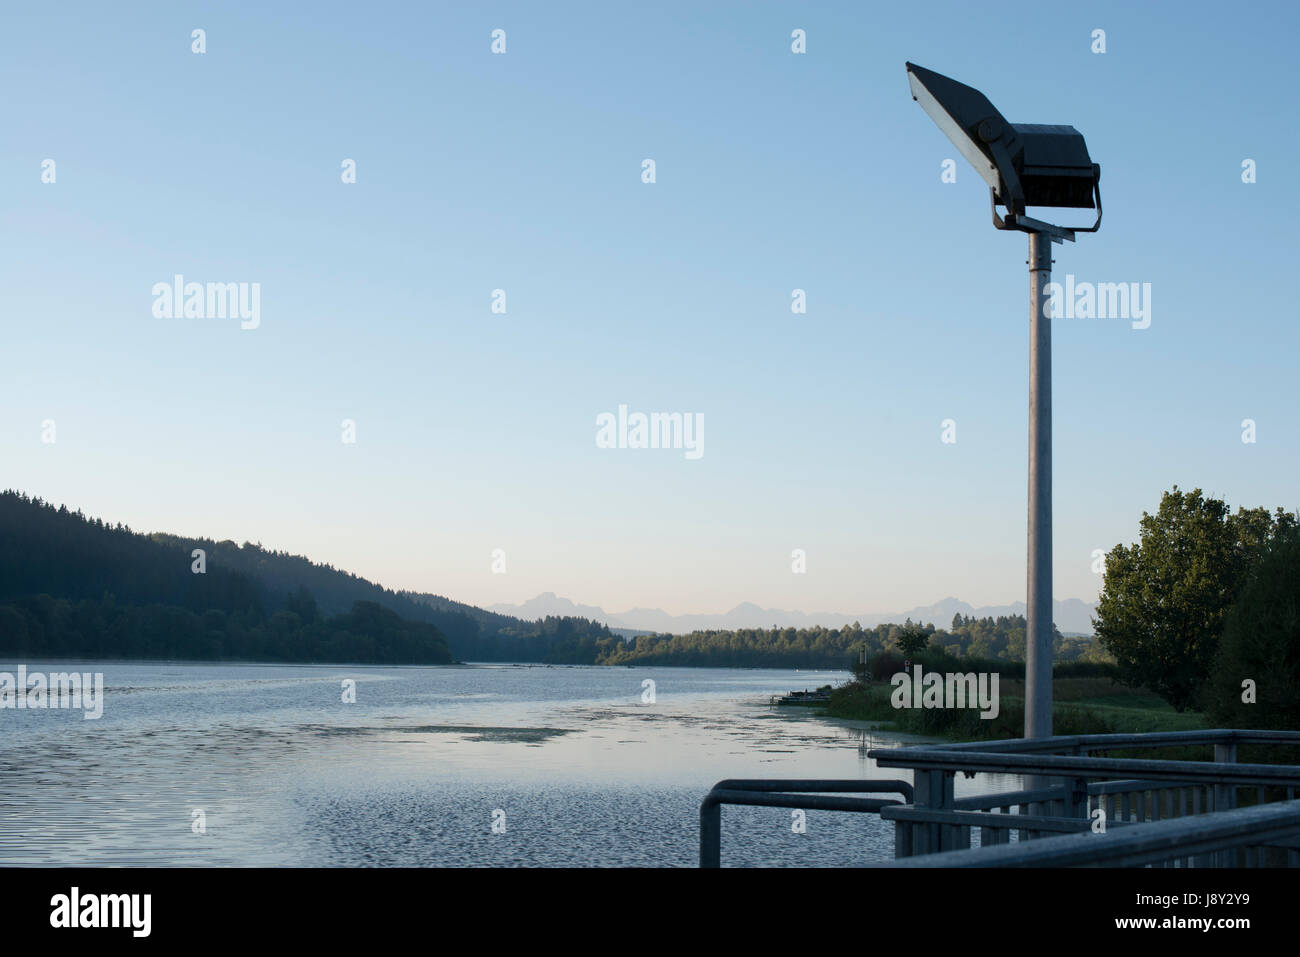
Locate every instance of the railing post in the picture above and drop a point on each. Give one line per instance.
(903, 831)
(1225, 797)
(933, 789)
(710, 833)
(1076, 799)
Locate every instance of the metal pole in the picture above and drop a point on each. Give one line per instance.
(1038, 616)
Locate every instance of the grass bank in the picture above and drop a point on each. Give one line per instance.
(1081, 705)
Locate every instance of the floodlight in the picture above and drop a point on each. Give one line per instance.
(1024, 164)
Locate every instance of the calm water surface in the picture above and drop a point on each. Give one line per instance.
(412, 773)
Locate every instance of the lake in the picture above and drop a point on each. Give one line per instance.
(573, 765)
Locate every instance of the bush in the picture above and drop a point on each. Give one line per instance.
(1086, 669)
(884, 665)
(934, 659)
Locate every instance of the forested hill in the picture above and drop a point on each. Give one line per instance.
(72, 585)
(333, 589)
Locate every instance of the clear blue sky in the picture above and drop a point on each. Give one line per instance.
(522, 171)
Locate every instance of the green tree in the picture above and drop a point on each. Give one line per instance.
(1164, 599)
(911, 640)
(1261, 645)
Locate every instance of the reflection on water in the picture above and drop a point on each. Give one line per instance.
(286, 773)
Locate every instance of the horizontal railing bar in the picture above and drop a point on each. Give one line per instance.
(1134, 845)
(838, 785)
(1199, 772)
(1121, 787)
(1009, 822)
(810, 802)
(1007, 798)
(1093, 742)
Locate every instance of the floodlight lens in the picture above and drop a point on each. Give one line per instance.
(958, 110)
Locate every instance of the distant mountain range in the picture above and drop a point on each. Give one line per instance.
(1071, 615)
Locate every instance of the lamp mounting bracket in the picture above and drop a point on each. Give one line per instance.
(1027, 224)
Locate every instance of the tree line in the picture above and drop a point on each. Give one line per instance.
(1000, 639)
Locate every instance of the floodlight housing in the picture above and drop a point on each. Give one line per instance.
(1024, 164)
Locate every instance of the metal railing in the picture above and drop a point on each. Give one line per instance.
(1073, 785)
(1209, 837)
(1067, 788)
(810, 795)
